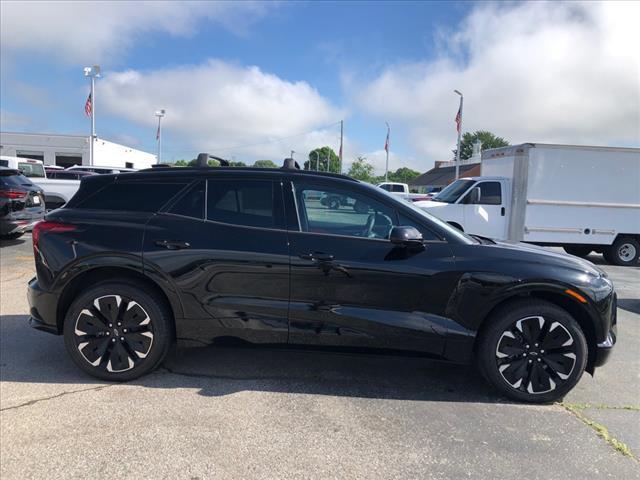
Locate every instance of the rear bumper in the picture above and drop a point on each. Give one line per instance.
(8, 227)
(43, 307)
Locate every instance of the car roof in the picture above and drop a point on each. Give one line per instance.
(191, 171)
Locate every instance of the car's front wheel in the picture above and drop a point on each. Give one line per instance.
(532, 351)
(117, 331)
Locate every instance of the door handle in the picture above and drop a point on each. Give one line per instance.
(502, 211)
(172, 244)
(317, 257)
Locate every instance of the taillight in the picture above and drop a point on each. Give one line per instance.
(45, 226)
(13, 194)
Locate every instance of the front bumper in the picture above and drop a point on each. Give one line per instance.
(43, 308)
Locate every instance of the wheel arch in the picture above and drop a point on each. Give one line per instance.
(568, 304)
(95, 275)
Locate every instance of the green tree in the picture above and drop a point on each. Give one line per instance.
(181, 163)
(403, 175)
(237, 164)
(488, 139)
(324, 153)
(361, 170)
(264, 164)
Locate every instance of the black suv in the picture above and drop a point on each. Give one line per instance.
(21, 203)
(136, 261)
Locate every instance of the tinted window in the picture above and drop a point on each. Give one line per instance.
(246, 202)
(490, 194)
(31, 169)
(397, 188)
(343, 212)
(4, 163)
(10, 179)
(452, 192)
(190, 203)
(134, 196)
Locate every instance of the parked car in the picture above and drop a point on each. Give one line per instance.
(100, 170)
(402, 190)
(57, 191)
(134, 262)
(68, 175)
(21, 203)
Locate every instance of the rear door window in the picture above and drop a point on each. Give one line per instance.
(190, 203)
(251, 203)
(141, 196)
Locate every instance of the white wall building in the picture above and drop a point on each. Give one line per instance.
(67, 150)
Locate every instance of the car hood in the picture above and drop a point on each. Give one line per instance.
(429, 204)
(538, 254)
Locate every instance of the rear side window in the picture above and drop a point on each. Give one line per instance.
(190, 203)
(247, 202)
(132, 196)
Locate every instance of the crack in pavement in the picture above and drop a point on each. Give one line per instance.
(601, 430)
(52, 397)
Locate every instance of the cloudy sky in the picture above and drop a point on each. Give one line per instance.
(255, 80)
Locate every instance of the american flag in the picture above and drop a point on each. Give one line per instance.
(459, 119)
(88, 106)
(386, 142)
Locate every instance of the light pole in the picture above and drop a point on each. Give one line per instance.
(93, 73)
(317, 160)
(160, 114)
(459, 127)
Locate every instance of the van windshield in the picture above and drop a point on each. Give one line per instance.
(31, 169)
(453, 191)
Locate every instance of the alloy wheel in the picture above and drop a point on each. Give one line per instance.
(536, 355)
(113, 333)
(627, 252)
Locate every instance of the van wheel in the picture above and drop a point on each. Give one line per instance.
(116, 331)
(532, 351)
(578, 251)
(625, 251)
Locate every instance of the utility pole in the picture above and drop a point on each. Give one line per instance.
(459, 127)
(160, 114)
(386, 147)
(93, 73)
(340, 156)
(317, 160)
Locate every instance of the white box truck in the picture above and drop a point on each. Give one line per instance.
(581, 198)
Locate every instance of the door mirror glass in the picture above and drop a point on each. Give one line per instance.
(406, 237)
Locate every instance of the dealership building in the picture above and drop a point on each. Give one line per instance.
(68, 150)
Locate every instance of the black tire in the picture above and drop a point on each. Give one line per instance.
(108, 322)
(334, 203)
(625, 252)
(541, 364)
(578, 251)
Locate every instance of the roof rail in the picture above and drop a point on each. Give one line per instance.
(203, 160)
(290, 164)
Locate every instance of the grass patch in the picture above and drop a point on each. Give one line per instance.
(621, 447)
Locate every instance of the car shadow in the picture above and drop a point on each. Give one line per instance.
(10, 242)
(631, 305)
(27, 355)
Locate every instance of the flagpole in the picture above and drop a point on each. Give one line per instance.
(459, 136)
(386, 170)
(341, 132)
(93, 73)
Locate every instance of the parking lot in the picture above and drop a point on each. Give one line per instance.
(264, 413)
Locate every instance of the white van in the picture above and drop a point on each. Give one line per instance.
(29, 167)
(581, 198)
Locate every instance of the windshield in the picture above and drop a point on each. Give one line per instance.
(453, 191)
(451, 231)
(31, 169)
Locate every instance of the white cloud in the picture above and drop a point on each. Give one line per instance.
(91, 31)
(217, 105)
(12, 121)
(530, 72)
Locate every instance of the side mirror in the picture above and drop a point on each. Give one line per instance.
(474, 195)
(406, 237)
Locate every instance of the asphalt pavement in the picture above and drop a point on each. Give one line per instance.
(267, 413)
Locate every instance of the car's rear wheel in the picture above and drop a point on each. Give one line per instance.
(117, 331)
(532, 351)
